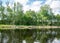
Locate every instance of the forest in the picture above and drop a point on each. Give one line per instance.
(16, 16)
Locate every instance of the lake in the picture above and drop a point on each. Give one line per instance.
(30, 35)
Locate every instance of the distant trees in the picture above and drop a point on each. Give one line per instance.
(30, 17)
(18, 13)
(45, 15)
(15, 16)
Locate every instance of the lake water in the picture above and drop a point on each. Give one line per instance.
(30, 36)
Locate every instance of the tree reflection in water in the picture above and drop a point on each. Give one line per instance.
(56, 40)
(30, 36)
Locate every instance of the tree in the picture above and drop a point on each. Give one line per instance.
(30, 16)
(58, 20)
(2, 14)
(19, 13)
(45, 13)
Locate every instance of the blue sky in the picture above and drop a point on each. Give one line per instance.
(31, 1)
(36, 4)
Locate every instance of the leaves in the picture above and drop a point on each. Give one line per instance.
(15, 15)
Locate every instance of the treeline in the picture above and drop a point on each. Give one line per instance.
(15, 15)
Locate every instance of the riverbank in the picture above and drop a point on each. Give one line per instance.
(26, 27)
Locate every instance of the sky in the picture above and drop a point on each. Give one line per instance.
(36, 4)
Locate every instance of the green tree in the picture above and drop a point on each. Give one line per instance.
(2, 14)
(45, 14)
(30, 17)
(19, 13)
(58, 20)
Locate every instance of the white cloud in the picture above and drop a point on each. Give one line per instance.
(55, 5)
(48, 2)
(26, 7)
(21, 1)
(35, 6)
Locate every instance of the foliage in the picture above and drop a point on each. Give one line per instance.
(15, 15)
